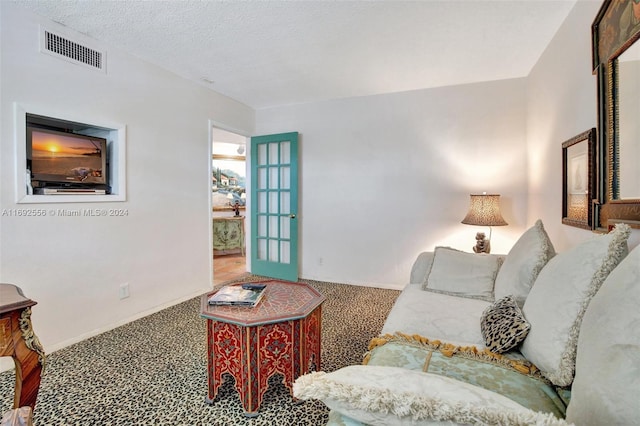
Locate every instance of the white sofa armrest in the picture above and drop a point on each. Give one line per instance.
(421, 268)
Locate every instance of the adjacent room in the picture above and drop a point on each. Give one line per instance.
(229, 202)
(393, 191)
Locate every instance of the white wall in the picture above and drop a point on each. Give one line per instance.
(385, 177)
(561, 103)
(73, 266)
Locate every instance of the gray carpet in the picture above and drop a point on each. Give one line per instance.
(153, 371)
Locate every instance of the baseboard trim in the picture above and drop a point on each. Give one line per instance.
(386, 286)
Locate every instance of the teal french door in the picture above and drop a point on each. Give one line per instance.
(274, 206)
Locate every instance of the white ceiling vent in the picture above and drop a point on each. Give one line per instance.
(71, 51)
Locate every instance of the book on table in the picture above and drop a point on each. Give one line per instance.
(235, 295)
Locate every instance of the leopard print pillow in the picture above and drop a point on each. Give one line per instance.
(503, 325)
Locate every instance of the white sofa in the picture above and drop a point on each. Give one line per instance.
(564, 333)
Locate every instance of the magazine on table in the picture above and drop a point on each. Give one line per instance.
(237, 295)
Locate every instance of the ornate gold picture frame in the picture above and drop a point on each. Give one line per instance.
(615, 33)
(578, 179)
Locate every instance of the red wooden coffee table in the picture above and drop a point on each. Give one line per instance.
(280, 335)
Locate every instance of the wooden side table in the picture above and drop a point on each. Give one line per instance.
(18, 341)
(280, 335)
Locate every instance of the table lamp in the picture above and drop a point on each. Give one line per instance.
(484, 210)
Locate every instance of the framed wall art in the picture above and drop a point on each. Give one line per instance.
(578, 179)
(616, 49)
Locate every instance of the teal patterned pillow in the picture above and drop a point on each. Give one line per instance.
(503, 325)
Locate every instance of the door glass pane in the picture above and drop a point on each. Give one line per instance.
(262, 178)
(262, 154)
(285, 257)
(273, 202)
(262, 202)
(273, 177)
(285, 178)
(262, 249)
(262, 226)
(284, 227)
(273, 226)
(285, 152)
(285, 202)
(273, 250)
(273, 153)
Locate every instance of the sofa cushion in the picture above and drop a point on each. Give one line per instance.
(439, 316)
(378, 395)
(523, 263)
(607, 383)
(558, 299)
(462, 274)
(503, 325)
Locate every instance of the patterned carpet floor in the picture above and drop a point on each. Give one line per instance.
(153, 371)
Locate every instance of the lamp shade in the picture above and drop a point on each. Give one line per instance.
(484, 210)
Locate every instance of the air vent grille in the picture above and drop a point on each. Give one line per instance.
(72, 51)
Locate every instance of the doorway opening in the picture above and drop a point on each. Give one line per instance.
(229, 199)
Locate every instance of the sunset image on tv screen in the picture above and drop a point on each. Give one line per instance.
(71, 158)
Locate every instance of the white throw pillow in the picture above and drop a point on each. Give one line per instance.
(558, 299)
(462, 274)
(523, 264)
(395, 396)
(606, 389)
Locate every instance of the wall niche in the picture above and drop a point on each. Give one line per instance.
(63, 160)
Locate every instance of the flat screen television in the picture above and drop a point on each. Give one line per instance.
(66, 158)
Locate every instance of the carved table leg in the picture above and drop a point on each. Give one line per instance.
(248, 377)
(25, 349)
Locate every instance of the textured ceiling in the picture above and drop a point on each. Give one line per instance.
(269, 53)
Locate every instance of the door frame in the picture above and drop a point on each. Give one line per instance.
(247, 135)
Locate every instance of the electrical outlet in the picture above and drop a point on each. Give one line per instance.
(320, 261)
(124, 290)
